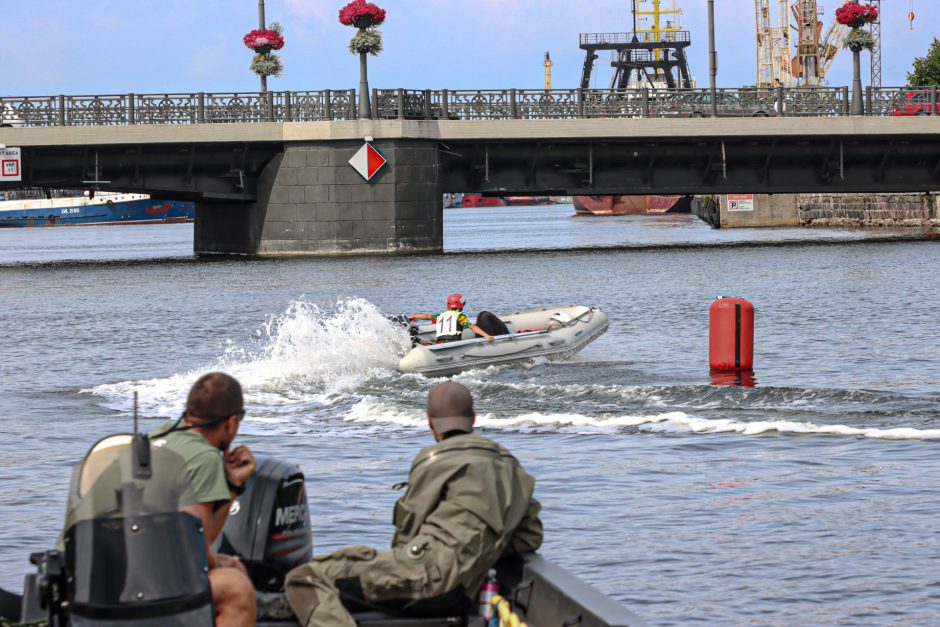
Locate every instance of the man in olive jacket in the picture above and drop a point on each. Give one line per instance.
(469, 502)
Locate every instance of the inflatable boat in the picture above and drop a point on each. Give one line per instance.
(554, 332)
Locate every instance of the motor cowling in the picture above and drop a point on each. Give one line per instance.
(268, 526)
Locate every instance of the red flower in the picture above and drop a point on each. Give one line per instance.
(263, 40)
(361, 14)
(854, 14)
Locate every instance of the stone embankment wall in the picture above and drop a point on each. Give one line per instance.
(916, 210)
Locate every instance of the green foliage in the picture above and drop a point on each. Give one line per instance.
(927, 68)
(276, 27)
(267, 65)
(367, 40)
(859, 39)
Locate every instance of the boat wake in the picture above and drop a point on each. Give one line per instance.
(372, 412)
(303, 359)
(333, 368)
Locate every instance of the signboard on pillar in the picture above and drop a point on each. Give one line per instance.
(740, 202)
(11, 165)
(367, 161)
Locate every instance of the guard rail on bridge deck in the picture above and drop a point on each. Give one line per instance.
(457, 104)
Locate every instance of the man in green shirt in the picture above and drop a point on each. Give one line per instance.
(217, 473)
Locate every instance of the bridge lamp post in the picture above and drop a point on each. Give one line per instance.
(712, 59)
(855, 16)
(365, 16)
(261, 26)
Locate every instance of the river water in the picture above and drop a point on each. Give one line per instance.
(810, 498)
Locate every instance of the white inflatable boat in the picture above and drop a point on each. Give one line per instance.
(544, 332)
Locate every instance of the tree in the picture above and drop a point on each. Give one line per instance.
(927, 68)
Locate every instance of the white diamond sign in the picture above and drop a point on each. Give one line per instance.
(367, 161)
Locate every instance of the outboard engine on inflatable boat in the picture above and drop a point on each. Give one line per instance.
(268, 526)
(134, 545)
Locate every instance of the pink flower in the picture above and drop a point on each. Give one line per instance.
(855, 15)
(263, 40)
(361, 14)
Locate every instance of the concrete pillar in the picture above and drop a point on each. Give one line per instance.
(312, 202)
(759, 210)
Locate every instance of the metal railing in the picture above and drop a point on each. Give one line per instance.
(458, 104)
(600, 39)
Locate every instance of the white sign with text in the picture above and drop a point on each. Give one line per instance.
(11, 165)
(740, 202)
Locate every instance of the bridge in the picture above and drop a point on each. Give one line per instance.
(270, 174)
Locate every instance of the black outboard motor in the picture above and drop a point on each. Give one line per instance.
(268, 526)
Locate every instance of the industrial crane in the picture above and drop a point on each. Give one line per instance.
(814, 54)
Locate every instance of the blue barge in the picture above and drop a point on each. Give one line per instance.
(103, 208)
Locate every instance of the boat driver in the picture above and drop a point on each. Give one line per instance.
(451, 323)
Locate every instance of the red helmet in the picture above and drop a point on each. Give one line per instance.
(455, 301)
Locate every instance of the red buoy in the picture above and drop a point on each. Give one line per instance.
(731, 334)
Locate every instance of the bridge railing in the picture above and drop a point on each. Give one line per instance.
(902, 101)
(187, 108)
(458, 104)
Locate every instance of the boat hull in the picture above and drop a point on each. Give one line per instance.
(534, 335)
(479, 200)
(85, 212)
(614, 205)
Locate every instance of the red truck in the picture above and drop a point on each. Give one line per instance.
(918, 103)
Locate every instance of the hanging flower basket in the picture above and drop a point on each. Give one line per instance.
(264, 41)
(859, 40)
(266, 65)
(856, 15)
(361, 14)
(368, 41)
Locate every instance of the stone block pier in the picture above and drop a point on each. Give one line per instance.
(311, 201)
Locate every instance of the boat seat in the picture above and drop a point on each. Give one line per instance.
(467, 334)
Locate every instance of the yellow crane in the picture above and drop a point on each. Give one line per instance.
(656, 20)
(548, 71)
(773, 44)
(813, 51)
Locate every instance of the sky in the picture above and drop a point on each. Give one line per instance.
(177, 46)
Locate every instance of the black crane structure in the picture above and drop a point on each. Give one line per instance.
(652, 60)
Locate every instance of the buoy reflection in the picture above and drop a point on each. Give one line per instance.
(739, 378)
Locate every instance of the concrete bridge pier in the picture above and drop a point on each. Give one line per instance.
(312, 202)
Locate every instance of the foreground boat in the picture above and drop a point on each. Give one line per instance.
(134, 555)
(103, 208)
(555, 332)
(630, 205)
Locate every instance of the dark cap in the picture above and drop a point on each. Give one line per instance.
(450, 407)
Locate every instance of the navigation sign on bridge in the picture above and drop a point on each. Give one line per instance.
(11, 166)
(367, 161)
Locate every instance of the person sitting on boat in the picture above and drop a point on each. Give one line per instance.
(451, 323)
(203, 437)
(469, 502)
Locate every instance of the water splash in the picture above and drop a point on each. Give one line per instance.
(305, 357)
